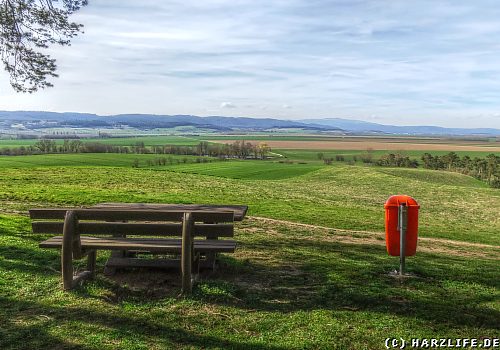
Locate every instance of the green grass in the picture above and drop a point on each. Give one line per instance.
(118, 141)
(312, 155)
(149, 140)
(287, 286)
(86, 159)
(348, 197)
(249, 170)
(434, 177)
(16, 143)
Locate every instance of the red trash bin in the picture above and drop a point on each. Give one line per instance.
(391, 225)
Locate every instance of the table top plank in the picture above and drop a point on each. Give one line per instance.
(239, 210)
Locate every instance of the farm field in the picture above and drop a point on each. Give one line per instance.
(354, 138)
(118, 141)
(379, 145)
(150, 140)
(86, 160)
(310, 270)
(257, 170)
(311, 155)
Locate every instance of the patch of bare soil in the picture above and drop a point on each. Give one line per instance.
(154, 283)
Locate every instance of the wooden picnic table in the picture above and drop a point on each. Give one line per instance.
(139, 219)
(211, 257)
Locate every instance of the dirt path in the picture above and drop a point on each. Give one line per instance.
(373, 237)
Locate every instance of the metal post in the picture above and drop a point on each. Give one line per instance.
(402, 225)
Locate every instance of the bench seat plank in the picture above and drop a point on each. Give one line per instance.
(109, 228)
(157, 245)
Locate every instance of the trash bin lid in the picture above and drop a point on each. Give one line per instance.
(395, 201)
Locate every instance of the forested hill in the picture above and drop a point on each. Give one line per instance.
(40, 120)
(33, 120)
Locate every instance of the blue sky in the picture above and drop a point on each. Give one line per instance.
(398, 62)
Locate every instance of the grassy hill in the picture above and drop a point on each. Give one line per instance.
(310, 271)
(249, 170)
(349, 197)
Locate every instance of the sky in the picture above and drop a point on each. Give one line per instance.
(412, 62)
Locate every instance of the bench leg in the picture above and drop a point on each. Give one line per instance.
(210, 260)
(67, 250)
(70, 281)
(196, 264)
(211, 257)
(67, 269)
(187, 254)
(110, 270)
(91, 262)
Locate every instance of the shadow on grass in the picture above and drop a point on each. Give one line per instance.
(286, 275)
(28, 260)
(37, 336)
(445, 290)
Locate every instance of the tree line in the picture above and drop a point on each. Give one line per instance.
(389, 160)
(485, 169)
(162, 161)
(237, 149)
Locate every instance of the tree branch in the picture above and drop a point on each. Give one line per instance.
(26, 26)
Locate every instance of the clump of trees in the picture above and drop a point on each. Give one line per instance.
(486, 169)
(329, 160)
(397, 160)
(237, 149)
(367, 157)
(162, 161)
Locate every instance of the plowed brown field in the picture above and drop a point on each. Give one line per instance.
(376, 145)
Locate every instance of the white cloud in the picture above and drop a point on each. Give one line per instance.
(227, 105)
(168, 35)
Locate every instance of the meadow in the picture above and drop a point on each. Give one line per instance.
(87, 159)
(118, 141)
(310, 270)
(308, 155)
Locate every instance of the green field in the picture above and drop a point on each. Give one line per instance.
(118, 141)
(254, 170)
(86, 160)
(149, 140)
(289, 285)
(312, 155)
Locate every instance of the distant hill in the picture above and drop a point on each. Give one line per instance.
(358, 126)
(37, 120)
(31, 120)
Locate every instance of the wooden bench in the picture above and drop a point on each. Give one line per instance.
(116, 224)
